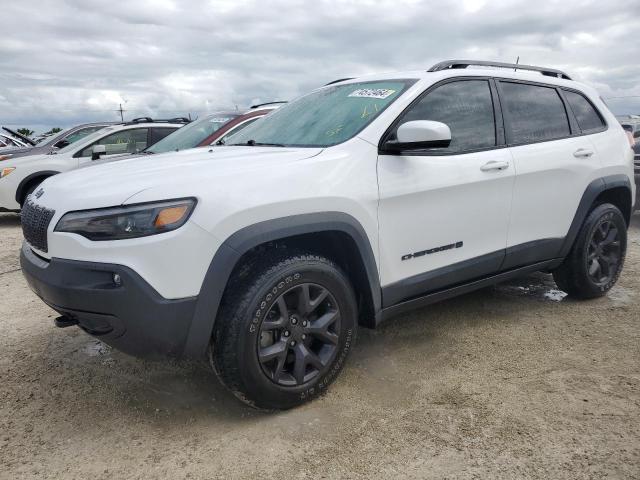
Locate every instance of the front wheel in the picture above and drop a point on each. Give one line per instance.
(283, 334)
(597, 256)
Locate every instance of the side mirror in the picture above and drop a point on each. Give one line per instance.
(97, 151)
(61, 144)
(420, 134)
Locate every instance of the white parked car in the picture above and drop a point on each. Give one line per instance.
(20, 176)
(355, 202)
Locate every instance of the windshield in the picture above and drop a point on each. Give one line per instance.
(325, 117)
(192, 134)
(85, 141)
(82, 132)
(51, 139)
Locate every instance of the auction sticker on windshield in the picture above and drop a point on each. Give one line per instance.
(372, 93)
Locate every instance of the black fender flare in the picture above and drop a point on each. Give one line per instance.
(595, 188)
(25, 181)
(232, 249)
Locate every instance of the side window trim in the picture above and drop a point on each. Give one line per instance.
(498, 120)
(573, 121)
(497, 114)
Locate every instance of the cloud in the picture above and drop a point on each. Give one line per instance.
(72, 61)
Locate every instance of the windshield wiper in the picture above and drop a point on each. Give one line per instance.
(253, 143)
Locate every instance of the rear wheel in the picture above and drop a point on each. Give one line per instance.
(283, 335)
(597, 256)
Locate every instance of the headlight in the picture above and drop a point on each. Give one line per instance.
(131, 221)
(6, 171)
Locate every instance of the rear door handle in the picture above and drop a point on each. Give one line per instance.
(583, 153)
(493, 165)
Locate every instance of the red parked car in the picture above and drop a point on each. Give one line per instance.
(211, 129)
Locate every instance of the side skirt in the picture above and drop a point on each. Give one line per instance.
(428, 299)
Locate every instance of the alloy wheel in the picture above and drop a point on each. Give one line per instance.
(604, 252)
(299, 335)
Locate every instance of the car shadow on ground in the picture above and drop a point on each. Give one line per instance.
(9, 219)
(168, 392)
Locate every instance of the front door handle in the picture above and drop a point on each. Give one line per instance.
(493, 165)
(583, 153)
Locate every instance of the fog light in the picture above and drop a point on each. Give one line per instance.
(117, 280)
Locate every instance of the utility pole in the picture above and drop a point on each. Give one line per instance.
(121, 113)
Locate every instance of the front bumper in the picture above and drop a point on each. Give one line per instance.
(130, 316)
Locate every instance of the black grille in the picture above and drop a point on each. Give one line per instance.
(35, 221)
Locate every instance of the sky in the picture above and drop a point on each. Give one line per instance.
(74, 61)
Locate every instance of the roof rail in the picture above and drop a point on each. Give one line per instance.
(159, 120)
(265, 104)
(339, 80)
(141, 120)
(450, 64)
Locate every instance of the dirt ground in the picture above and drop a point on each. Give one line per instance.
(507, 382)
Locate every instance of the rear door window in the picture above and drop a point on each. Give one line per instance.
(589, 120)
(534, 113)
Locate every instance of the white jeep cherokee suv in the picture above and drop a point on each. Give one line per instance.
(355, 202)
(20, 176)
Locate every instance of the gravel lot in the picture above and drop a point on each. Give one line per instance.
(506, 382)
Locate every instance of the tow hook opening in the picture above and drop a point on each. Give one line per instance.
(64, 321)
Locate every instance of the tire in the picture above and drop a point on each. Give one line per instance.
(597, 255)
(285, 329)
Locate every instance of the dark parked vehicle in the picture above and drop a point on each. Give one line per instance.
(634, 131)
(56, 142)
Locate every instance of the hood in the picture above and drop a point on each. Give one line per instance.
(15, 150)
(25, 160)
(114, 158)
(175, 173)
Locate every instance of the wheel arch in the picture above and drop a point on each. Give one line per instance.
(615, 189)
(321, 232)
(30, 179)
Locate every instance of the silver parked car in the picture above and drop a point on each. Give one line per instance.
(53, 142)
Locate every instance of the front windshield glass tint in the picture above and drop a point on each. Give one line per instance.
(86, 140)
(325, 117)
(192, 134)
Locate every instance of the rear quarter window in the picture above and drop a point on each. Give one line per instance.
(589, 120)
